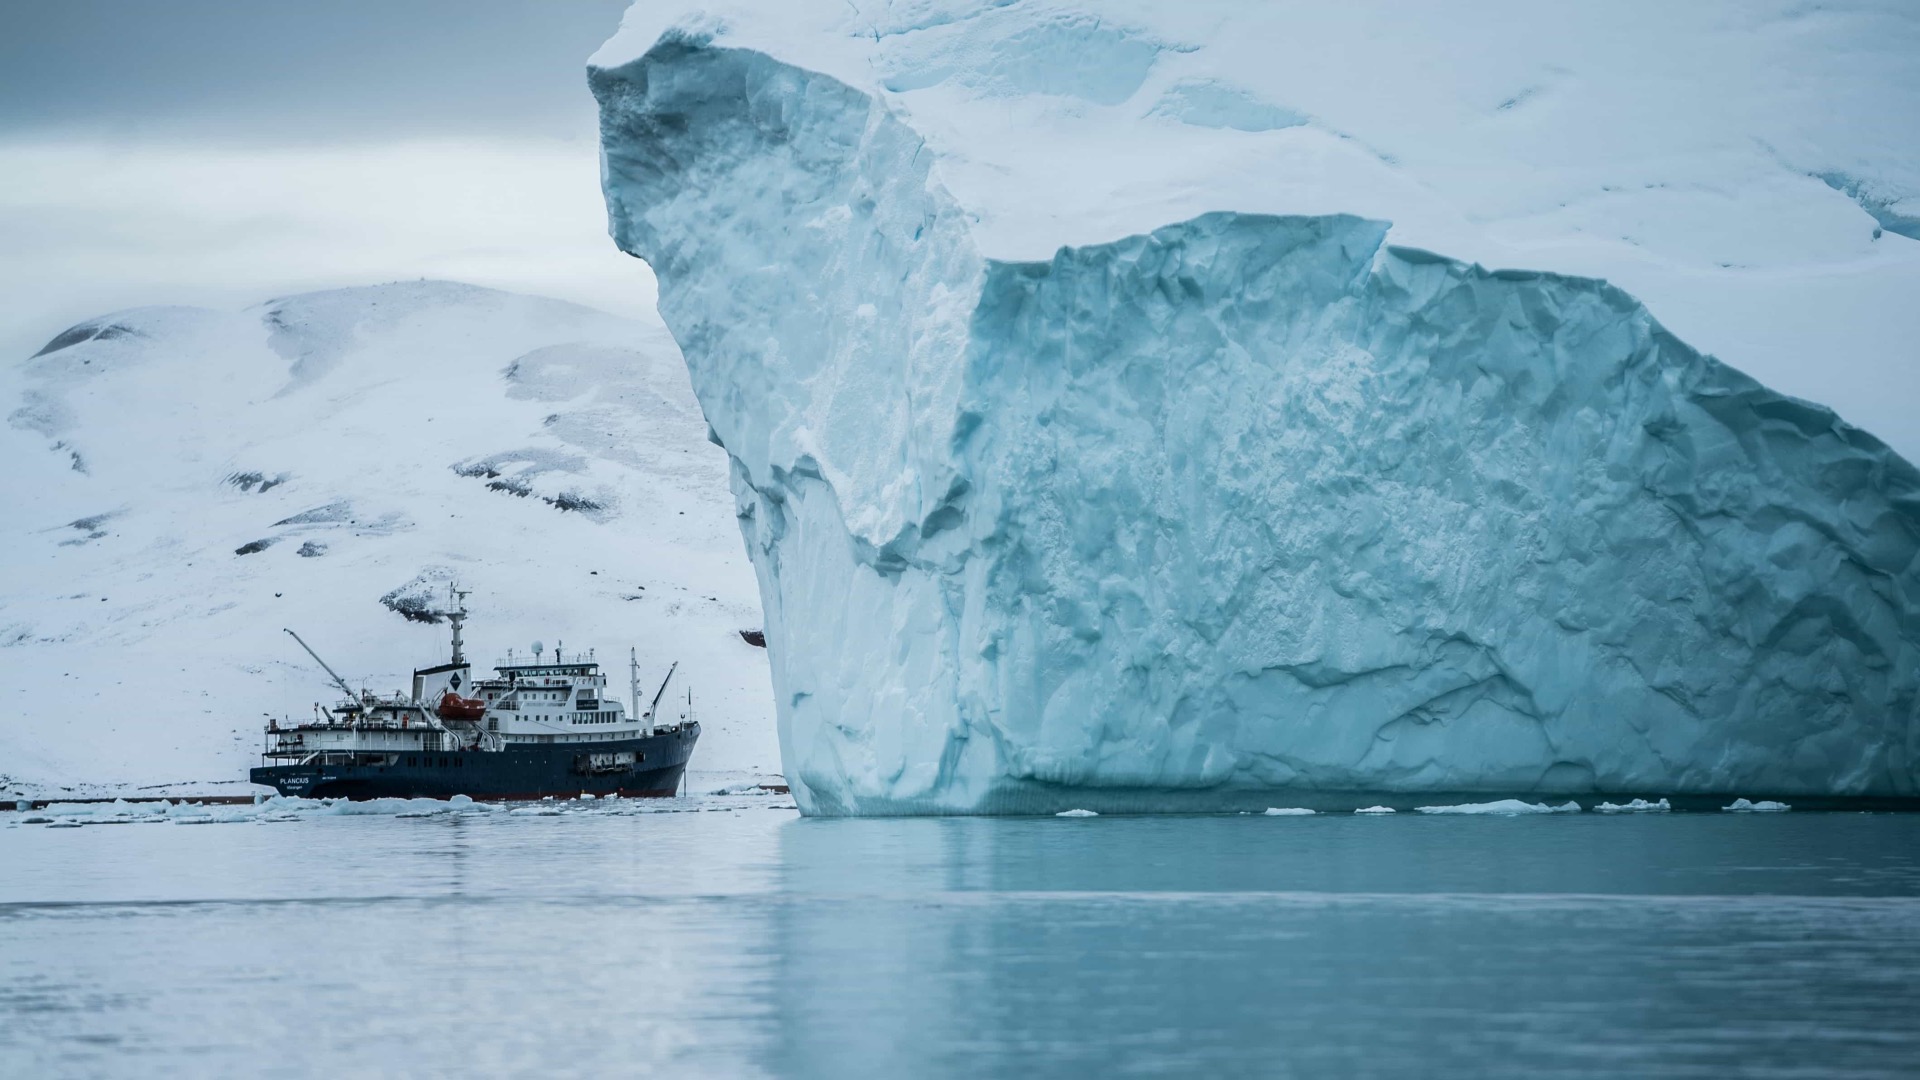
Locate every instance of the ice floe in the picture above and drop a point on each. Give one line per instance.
(1764, 806)
(272, 809)
(1637, 806)
(1503, 807)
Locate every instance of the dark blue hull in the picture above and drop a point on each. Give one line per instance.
(520, 771)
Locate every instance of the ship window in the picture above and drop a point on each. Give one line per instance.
(411, 763)
(459, 762)
(443, 763)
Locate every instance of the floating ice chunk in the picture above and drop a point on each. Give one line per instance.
(1076, 813)
(117, 812)
(1764, 806)
(1288, 811)
(267, 810)
(1637, 806)
(1375, 810)
(1503, 807)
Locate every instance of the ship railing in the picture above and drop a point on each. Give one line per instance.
(409, 723)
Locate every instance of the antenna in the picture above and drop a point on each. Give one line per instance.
(337, 680)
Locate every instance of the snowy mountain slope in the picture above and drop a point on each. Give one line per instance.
(1746, 168)
(183, 483)
(1074, 480)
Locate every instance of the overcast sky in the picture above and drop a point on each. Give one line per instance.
(224, 151)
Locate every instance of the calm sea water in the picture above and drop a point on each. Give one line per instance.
(750, 942)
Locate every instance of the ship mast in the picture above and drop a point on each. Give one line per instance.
(456, 615)
(633, 680)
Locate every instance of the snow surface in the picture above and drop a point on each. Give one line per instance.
(1375, 810)
(182, 483)
(1075, 476)
(1076, 813)
(1288, 811)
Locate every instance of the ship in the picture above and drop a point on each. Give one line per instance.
(538, 728)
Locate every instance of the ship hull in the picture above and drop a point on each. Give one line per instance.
(520, 771)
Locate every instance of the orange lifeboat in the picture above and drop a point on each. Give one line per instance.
(455, 707)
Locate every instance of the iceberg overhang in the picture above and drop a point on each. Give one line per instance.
(1247, 504)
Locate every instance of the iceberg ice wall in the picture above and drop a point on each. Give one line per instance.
(1240, 503)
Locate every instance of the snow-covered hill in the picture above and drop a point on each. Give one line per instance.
(181, 483)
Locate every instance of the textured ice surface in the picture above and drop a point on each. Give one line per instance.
(1239, 503)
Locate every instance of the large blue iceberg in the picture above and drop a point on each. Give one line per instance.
(1244, 504)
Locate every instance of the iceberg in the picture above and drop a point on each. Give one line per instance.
(1502, 808)
(1234, 505)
